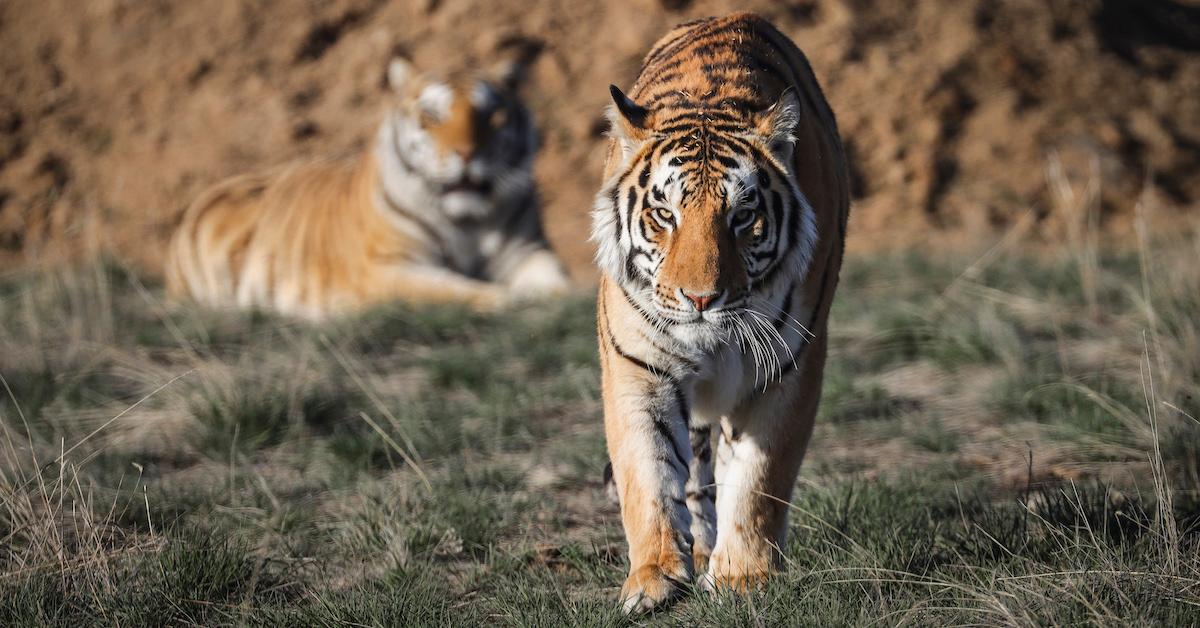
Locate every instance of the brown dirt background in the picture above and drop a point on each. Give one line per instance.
(115, 113)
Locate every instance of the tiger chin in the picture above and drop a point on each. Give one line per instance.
(720, 229)
(442, 208)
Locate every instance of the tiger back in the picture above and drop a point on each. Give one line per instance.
(719, 228)
(442, 208)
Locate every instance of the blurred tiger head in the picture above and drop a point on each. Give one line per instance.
(466, 133)
(700, 216)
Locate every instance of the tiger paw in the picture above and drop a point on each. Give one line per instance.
(741, 577)
(539, 276)
(489, 299)
(648, 588)
(738, 583)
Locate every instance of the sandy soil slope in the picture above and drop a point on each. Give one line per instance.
(115, 113)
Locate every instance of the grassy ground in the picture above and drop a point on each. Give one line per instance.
(1005, 440)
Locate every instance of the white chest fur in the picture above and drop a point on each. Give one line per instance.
(718, 386)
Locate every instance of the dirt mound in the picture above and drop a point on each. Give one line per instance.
(114, 114)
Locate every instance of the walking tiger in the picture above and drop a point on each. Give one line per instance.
(720, 228)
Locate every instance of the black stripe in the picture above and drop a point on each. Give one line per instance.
(660, 423)
(630, 206)
(777, 212)
(794, 224)
(673, 462)
(744, 147)
(645, 315)
(721, 67)
(665, 79)
(632, 274)
(644, 178)
(728, 162)
(684, 412)
(794, 364)
(786, 310)
(423, 225)
(689, 127)
(664, 429)
(666, 59)
(701, 441)
(764, 178)
(673, 143)
(698, 114)
(793, 219)
(691, 28)
(612, 340)
(742, 55)
(635, 252)
(631, 271)
(652, 78)
(615, 200)
(678, 358)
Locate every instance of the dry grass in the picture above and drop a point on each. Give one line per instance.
(1009, 438)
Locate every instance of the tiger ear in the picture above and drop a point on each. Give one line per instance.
(630, 121)
(399, 73)
(517, 56)
(777, 124)
(509, 73)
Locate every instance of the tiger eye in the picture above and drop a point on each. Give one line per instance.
(664, 215)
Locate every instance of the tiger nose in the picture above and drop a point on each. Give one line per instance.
(701, 300)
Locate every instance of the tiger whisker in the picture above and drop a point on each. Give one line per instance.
(769, 354)
(751, 344)
(803, 330)
(761, 360)
(769, 331)
(778, 336)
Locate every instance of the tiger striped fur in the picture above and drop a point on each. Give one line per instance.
(442, 208)
(720, 228)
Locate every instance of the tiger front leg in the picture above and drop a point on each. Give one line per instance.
(435, 285)
(760, 448)
(648, 446)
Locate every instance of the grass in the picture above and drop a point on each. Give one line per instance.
(1005, 439)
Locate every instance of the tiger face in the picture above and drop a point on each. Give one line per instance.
(466, 135)
(700, 222)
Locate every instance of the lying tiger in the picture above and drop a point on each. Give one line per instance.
(720, 229)
(441, 209)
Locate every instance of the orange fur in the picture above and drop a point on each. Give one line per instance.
(712, 90)
(318, 240)
(322, 238)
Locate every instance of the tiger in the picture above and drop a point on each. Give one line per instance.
(719, 227)
(441, 208)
